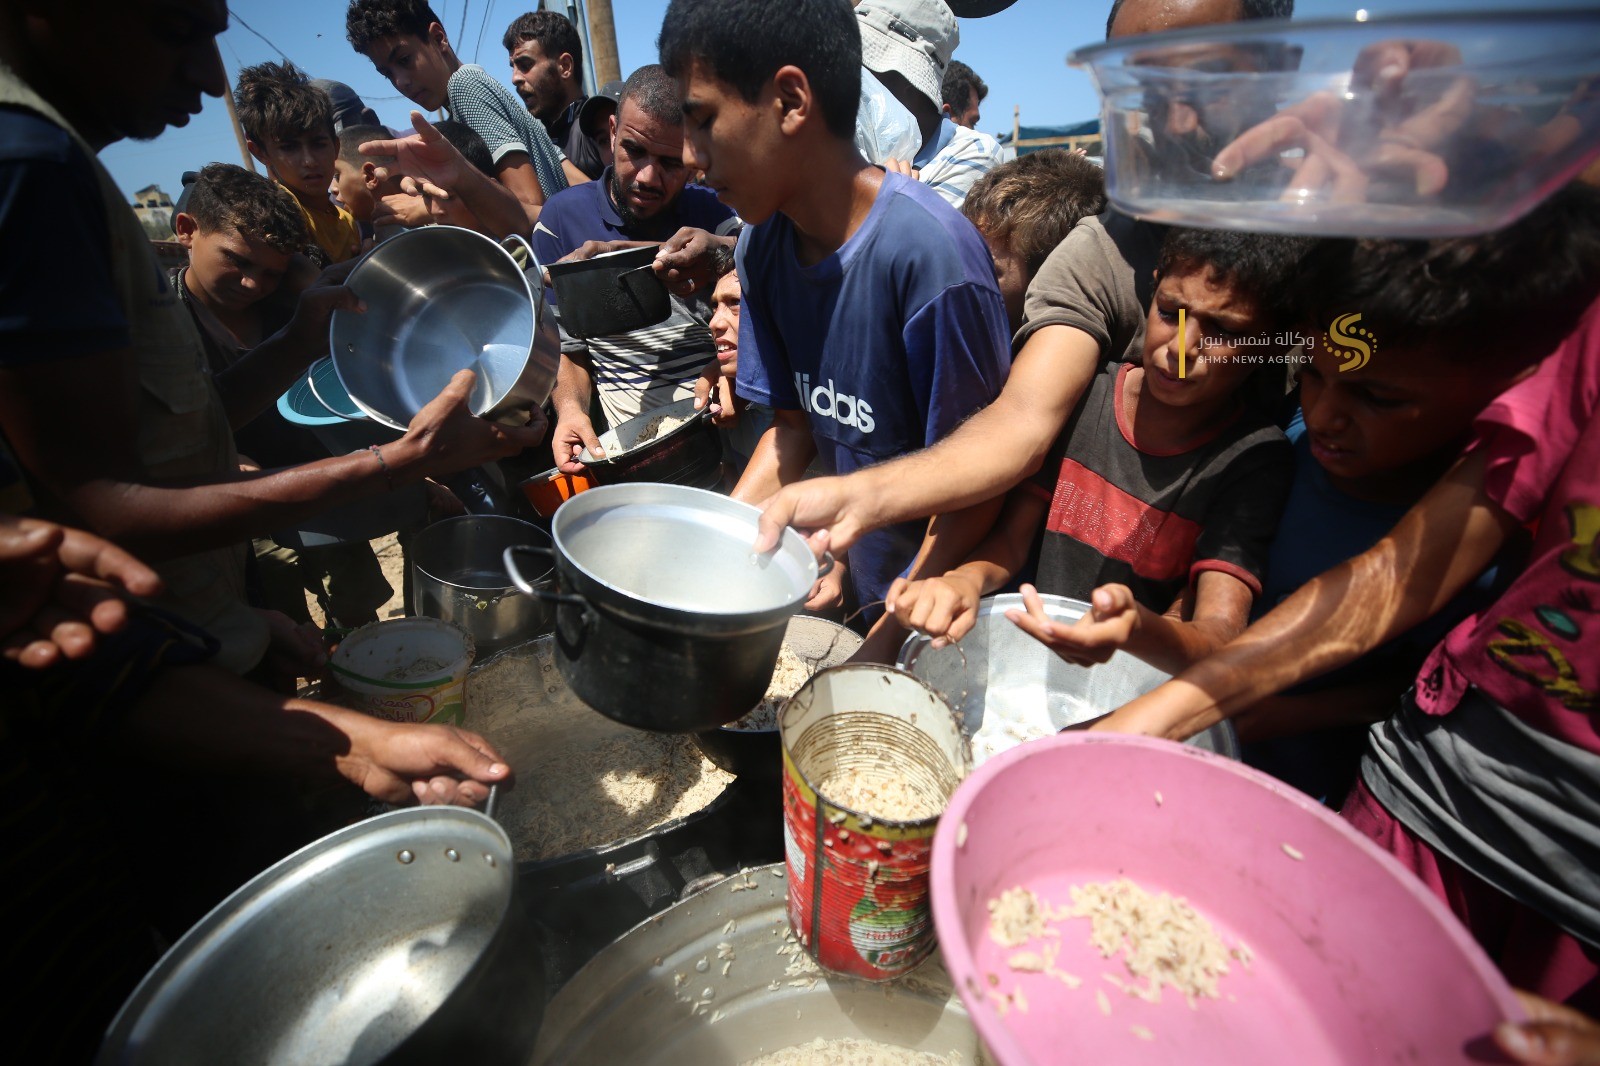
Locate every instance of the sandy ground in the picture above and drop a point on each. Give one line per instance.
(389, 558)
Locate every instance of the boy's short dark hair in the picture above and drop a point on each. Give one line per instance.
(351, 138)
(1264, 266)
(467, 141)
(959, 84)
(1511, 294)
(366, 21)
(745, 42)
(554, 32)
(655, 92)
(278, 100)
(228, 197)
(1033, 202)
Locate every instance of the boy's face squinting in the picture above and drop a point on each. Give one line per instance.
(725, 300)
(228, 270)
(1403, 408)
(1216, 319)
(302, 161)
(350, 189)
(1011, 274)
(415, 66)
(737, 144)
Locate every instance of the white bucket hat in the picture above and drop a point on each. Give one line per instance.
(913, 38)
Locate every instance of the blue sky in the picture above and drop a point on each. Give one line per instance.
(1019, 52)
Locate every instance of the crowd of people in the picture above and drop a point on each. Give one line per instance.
(959, 370)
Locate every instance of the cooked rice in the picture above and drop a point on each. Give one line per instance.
(659, 426)
(880, 791)
(1162, 939)
(583, 780)
(852, 1052)
(788, 675)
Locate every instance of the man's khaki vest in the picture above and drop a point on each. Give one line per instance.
(182, 429)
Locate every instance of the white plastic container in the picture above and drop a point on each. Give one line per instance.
(406, 670)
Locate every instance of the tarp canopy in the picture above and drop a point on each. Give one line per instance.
(1089, 128)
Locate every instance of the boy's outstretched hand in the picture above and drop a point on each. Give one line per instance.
(426, 156)
(59, 588)
(944, 608)
(1553, 1035)
(1112, 619)
(451, 438)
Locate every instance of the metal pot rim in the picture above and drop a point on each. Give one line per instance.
(628, 602)
(432, 576)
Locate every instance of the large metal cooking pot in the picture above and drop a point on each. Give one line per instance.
(665, 618)
(441, 299)
(1009, 688)
(396, 939)
(687, 454)
(458, 574)
(714, 981)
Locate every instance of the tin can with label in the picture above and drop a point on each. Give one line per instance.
(877, 737)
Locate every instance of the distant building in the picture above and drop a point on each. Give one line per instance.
(154, 209)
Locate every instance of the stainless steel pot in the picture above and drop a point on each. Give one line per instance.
(644, 1000)
(688, 454)
(665, 619)
(1009, 688)
(458, 574)
(439, 300)
(396, 939)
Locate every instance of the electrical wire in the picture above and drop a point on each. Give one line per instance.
(461, 34)
(235, 16)
(483, 25)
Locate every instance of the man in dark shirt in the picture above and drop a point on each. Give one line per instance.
(547, 72)
(643, 197)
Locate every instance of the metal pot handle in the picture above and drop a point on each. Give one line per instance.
(522, 583)
(522, 254)
(825, 567)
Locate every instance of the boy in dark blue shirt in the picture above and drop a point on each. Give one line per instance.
(871, 320)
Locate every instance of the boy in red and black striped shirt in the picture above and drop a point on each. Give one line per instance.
(1161, 495)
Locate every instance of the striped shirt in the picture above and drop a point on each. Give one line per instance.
(959, 162)
(504, 124)
(652, 367)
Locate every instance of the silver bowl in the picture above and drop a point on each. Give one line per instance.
(1010, 689)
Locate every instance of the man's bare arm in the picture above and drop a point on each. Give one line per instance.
(88, 472)
(987, 455)
(780, 458)
(1434, 552)
(515, 171)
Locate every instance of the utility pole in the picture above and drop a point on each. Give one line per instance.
(603, 42)
(233, 116)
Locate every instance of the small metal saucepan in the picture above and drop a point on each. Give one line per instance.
(689, 453)
(611, 293)
(665, 619)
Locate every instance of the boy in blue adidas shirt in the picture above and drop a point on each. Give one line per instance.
(871, 320)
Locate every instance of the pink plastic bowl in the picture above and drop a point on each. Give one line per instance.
(1354, 960)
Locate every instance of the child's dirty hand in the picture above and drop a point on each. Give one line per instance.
(944, 608)
(1108, 624)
